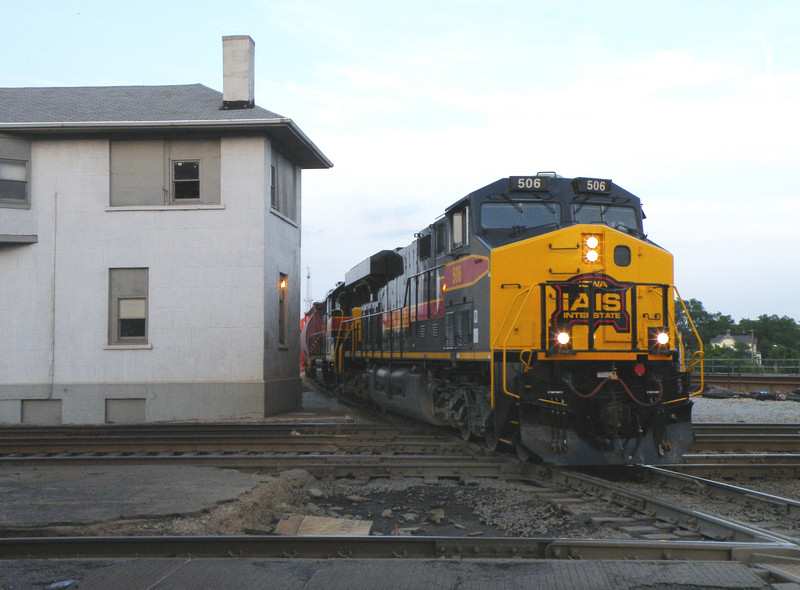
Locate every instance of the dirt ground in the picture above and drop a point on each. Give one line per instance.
(394, 506)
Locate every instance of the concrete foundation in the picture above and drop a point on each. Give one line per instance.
(97, 403)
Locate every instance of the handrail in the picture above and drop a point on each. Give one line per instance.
(504, 334)
(336, 342)
(380, 314)
(527, 292)
(510, 307)
(699, 353)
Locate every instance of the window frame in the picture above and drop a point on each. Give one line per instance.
(283, 310)
(273, 187)
(525, 207)
(441, 238)
(285, 179)
(120, 319)
(17, 203)
(142, 172)
(174, 182)
(463, 228)
(424, 246)
(604, 209)
(127, 284)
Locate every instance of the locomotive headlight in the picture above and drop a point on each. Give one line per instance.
(591, 249)
(560, 340)
(658, 340)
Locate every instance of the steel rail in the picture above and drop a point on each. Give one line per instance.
(304, 444)
(316, 464)
(709, 436)
(727, 466)
(754, 437)
(401, 547)
(215, 437)
(725, 491)
(329, 428)
(748, 443)
(227, 428)
(767, 459)
(705, 428)
(709, 526)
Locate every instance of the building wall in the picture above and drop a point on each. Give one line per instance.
(282, 257)
(209, 354)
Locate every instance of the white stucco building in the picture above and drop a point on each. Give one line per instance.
(149, 251)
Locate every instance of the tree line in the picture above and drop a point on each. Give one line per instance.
(776, 337)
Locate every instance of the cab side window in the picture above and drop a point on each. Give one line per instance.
(441, 238)
(459, 228)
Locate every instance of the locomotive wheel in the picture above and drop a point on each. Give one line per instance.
(523, 454)
(491, 435)
(465, 431)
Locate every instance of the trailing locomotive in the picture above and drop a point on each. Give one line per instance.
(535, 312)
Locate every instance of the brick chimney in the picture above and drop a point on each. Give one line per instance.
(238, 72)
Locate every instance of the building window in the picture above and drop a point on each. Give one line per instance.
(185, 180)
(283, 333)
(284, 185)
(273, 188)
(165, 172)
(13, 182)
(132, 318)
(127, 317)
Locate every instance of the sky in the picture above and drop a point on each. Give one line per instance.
(694, 106)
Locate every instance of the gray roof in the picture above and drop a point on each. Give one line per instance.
(192, 102)
(124, 109)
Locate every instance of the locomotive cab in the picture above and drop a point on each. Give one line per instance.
(584, 340)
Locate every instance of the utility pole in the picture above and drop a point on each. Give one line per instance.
(309, 297)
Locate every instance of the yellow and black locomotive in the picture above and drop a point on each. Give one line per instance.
(534, 312)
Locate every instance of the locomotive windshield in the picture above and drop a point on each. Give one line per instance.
(617, 217)
(519, 215)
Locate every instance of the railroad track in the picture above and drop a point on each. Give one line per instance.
(323, 437)
(687, 483)
(663, 530)
(489, 548)
(747, 438)
(759, 448)
(320, 465)
(666, 532)
(726, 466)
(177, 439)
